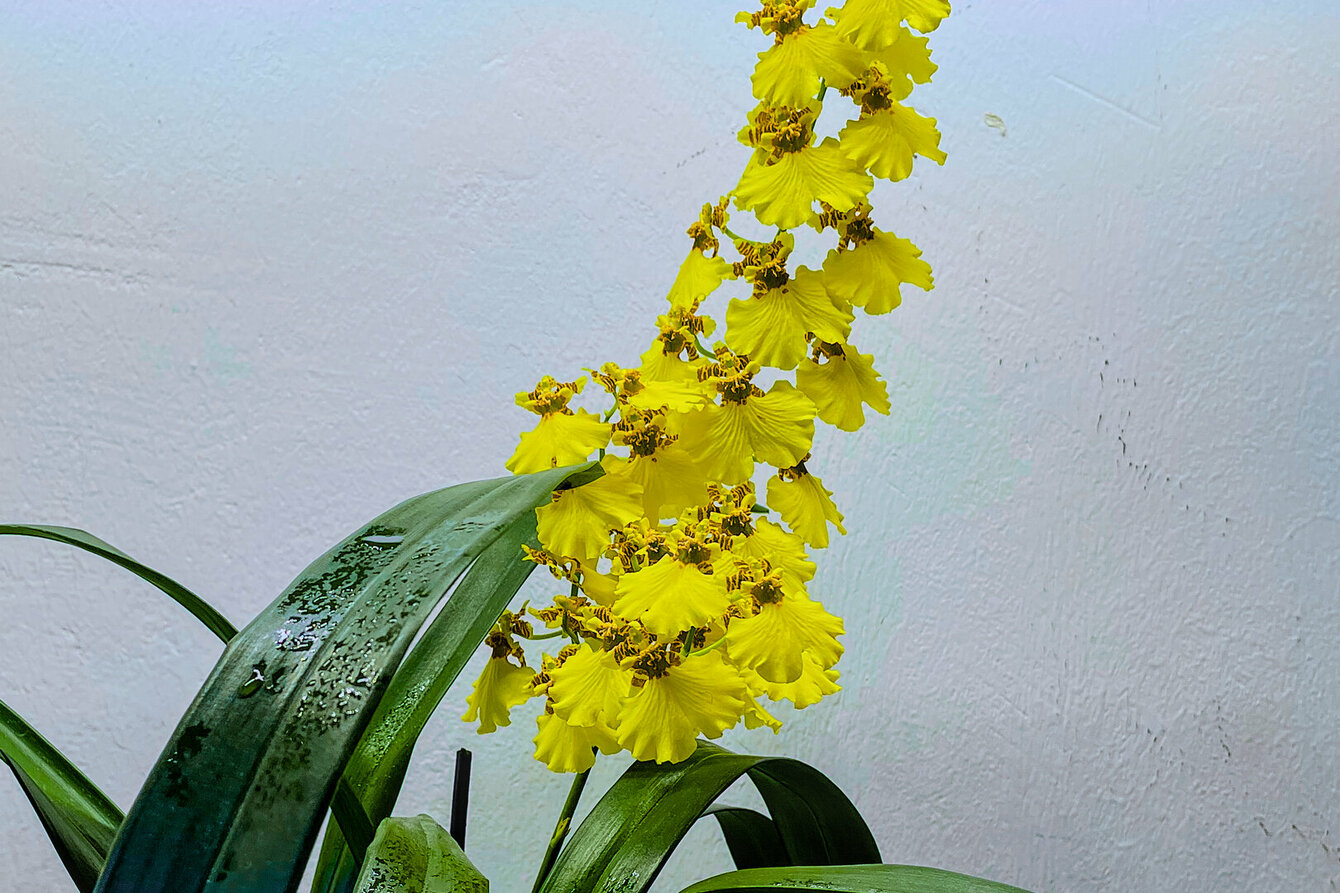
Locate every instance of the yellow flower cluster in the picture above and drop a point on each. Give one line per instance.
(688, 605)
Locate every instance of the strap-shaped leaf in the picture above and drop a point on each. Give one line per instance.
(417, 855)
(630, 833)
(751, 837)
(848, 879)
(78, 817)
(237, 797)
(379, 762)
(212, 619)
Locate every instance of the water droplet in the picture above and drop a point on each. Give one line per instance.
(252, 685)
(383, 540)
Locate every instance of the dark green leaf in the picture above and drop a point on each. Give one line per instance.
(80, 819)
(630, 833)
(212, 619)
(382, 756)
(237, 798)
(416, 855)
(751, 837)
(848, 879)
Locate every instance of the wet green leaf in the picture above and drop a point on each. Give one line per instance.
(416, 855)
(848, 879)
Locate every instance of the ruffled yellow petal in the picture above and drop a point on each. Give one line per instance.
(872, 24)
(675, 396)
(869, 275)
(777, 428)
(670, 597)
(703, 695)
(906, 61)
(657, 365)
(885, 141)
(756, 718)
(773, 640)
(672, 479)
(597, 586)
(589, 687)
(568, 748)
(814, 683)
(500, 687)
(771, 327)
(698, 277)
(841, 385)
(788, 73)
(559, 439)
(578, 522)
(806, 506)
(783, 193)
(783, 550)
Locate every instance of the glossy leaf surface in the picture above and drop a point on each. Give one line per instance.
(417, 855)
(78, 817)
(267, 737)
(379, 762)
(848, 879)
(630, 833)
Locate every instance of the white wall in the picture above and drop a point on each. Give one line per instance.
(268, 268)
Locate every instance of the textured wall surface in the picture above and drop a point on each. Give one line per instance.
(268, 268)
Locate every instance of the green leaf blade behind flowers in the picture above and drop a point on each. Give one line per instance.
(848, 879)
(751, 837)
(631, 832)
(416, 855)
(377, 768)
(212, 619)
(78, 817)
(265, 741)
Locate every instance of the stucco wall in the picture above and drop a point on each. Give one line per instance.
(268, 268)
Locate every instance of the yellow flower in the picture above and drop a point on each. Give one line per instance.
(869, 275)
(589, 687)
(782, 192)
(568, 748)
(904, 62)
(671, 477)
(776, 427)
(841, 384)
(501, 686)
(579, 520)
(787, 625)
(783, 550)
(790, 72)
(814, 683)
(872, 24)
(804, 504)
(562, 437)
(671, 596)
(884, 141)
(698, 277)
(771, 326)
(680, 699)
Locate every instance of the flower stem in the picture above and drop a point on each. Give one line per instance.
(561, 828)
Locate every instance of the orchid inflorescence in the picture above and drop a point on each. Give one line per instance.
(687, 603)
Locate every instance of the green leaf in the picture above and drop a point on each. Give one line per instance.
(212, 619)
(416, 855)
(848, 879)
(237, 798)
(630, 833)
(751, 837)
(79, 818)
(379, 762)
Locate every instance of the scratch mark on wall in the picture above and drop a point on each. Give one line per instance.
(1104, 101)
